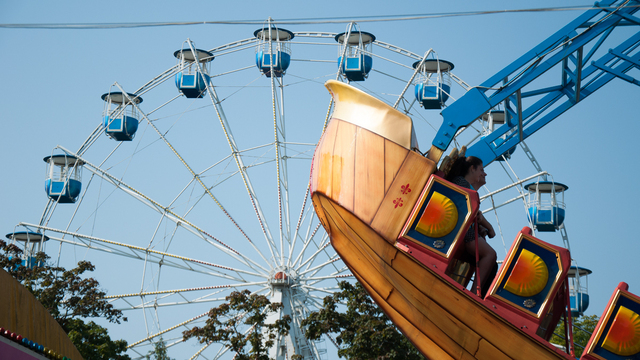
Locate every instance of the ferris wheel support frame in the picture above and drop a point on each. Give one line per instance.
(579, 78)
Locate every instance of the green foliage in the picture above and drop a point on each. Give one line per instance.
(93, 342)
(69, 298)
(582, 330)
(364, 331)
(243, 311)
(159, 351)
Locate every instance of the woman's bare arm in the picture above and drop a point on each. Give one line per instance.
(483, 222)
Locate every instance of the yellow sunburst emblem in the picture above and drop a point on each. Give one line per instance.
(439, 217)
(529, 276)
(623, 337)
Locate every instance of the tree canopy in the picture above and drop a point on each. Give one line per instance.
(69, 298)
(583, 327)
(241, 323)
(159, 351)
(363, 330)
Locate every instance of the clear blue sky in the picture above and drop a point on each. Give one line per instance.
(53, 79)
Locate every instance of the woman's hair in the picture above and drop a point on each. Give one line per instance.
(462, 165)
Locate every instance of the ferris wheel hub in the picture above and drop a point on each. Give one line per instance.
(283, 278)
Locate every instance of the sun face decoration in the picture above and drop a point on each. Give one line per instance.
(529, 276)
(439, 217)
(623, 337)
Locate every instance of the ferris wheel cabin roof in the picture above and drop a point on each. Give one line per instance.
(431, 65)
(579, 270)
(63, 159)
(497, 115)
(26, 236)
(546, 186)
(116, 97)
(203, 55)
(277, 34)
(354, 38)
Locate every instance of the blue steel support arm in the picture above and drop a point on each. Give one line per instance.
(528, 108)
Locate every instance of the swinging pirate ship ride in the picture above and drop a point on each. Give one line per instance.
(399, 227)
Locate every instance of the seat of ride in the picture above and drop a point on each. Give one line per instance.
(617, 334)
(530, 289)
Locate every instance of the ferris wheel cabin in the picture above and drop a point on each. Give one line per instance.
(434, 86)
(120, 115)
(33, 244)
(493, 118)
(545, 210)
(64, 178)
(193, 77)
(578, 289)
(273, 51)
(354, 59)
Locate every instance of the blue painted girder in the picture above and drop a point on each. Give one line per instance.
(579, 78)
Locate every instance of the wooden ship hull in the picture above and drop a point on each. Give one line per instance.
(365, 182)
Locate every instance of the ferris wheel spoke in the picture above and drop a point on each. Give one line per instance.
(408, 67)
(184, 323)
(154, 304)
(334, 275)
(243, 171)
(320, 80)
(308, 241)
(313, 256)
(145, 254)
(322, 247)
(324, 290)
(193, 173)
(325, 238)
(171, 215)
(164, 104)
(195, 356)
(175, 291)
(304, 214)
(223, 349)
(196, 177)
(390, 76)
(281, 159)
(334, 259)
(47, 212)
(513, 185)
(317, 300)
(315, 279)
(331, 262)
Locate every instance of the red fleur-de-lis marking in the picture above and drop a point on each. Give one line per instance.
(398, 202)
(405, 189)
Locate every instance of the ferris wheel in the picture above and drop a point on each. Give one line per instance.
(195, 184)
